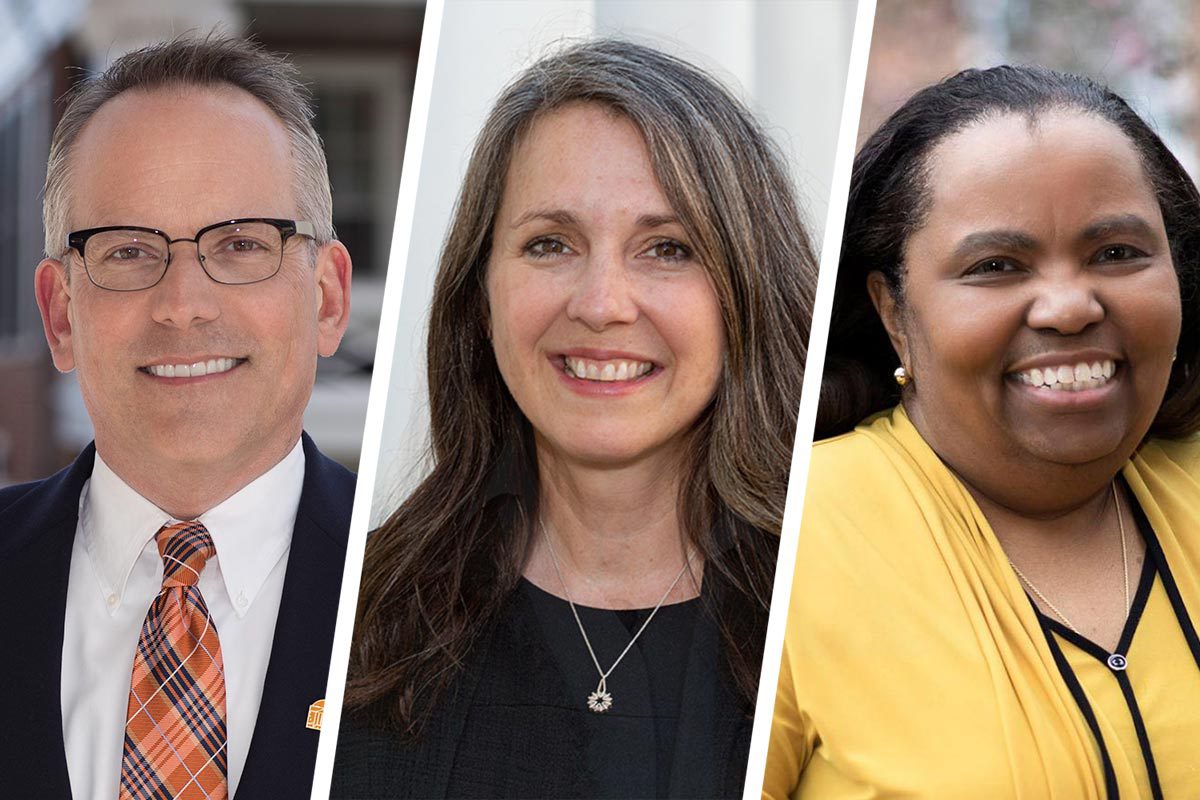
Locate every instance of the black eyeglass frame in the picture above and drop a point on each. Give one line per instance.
(287, 228)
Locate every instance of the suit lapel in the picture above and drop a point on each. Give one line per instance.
(283, 750)
(713, 734)
(37, 530)
(698, 758)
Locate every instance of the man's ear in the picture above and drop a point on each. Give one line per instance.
(889, 312)
(54, 302)
(333, 296)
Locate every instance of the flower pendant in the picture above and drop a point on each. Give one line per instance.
(599, 701)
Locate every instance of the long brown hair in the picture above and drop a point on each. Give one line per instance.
(438, 571)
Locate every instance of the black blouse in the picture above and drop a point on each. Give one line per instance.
(515, 722)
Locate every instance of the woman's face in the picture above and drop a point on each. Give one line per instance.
(605, 326)
(1041, 307)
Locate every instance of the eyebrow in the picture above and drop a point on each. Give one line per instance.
(1118, 223)
(657, 220)
(994, 240)
(563, 217)
(1010, 240)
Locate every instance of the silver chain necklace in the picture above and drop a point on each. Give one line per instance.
(1124, 569)
(601, 700)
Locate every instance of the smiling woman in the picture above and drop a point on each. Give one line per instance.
(1020, 255)
(573, 602)
(1050, 232)
(606, 327)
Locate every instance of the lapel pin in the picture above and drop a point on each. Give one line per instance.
(315, 712)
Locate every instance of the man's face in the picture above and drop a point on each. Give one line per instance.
(178, 160)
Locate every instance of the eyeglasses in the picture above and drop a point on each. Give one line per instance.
(127, 258)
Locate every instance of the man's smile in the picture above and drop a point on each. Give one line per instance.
(193, 369)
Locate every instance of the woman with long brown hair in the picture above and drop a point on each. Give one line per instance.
(573, 602)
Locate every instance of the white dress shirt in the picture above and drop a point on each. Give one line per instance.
(116, 572)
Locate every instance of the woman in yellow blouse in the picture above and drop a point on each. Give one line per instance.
(998, 578)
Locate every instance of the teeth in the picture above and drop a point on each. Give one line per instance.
(1068, 378)
(200, 368)
(605, 371)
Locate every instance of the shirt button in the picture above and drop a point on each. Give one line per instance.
(241, 600)
(111, 600)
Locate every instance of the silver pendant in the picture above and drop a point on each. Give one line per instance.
(600, 700)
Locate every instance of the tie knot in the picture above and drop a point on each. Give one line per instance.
(184, 547)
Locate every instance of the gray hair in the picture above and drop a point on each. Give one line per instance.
(730, 186)
(426, 596)
(212, 61)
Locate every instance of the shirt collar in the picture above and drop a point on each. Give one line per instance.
(251, 530)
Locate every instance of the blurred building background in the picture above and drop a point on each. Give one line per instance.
(786, 59)
(1146, 50)
(359, 58)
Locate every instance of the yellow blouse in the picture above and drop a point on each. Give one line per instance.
(914, 664)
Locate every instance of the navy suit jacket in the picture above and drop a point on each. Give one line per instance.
(37, 528)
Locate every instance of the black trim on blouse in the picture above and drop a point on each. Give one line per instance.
(1117, 661)
(1085, 707)
(1154, 564)
(1154, 550)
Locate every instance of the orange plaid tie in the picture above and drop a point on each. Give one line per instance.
(175, 737)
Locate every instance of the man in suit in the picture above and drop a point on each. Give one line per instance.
(167, 603)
